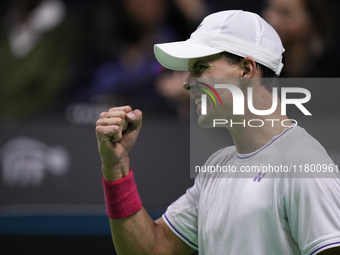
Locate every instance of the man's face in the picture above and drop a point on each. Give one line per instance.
(209, 68)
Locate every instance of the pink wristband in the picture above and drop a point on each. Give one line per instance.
(121, 197)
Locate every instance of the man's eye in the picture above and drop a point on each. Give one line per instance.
(198, 68)
(201, 68)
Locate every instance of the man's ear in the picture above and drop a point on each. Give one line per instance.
(248, 66)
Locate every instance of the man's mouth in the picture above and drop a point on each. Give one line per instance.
(198, 102)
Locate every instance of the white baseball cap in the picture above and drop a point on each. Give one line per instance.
(238, 32)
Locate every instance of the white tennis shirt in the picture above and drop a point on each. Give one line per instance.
(275, 214)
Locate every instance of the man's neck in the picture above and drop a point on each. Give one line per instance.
(249, 139)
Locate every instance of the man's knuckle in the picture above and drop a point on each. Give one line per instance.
(115, 129)
(123, 114)
(119, 121)
(98, 122)
(98, 129)
(103, 115)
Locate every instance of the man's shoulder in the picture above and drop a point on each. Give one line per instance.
(299, 146)
(222, 155)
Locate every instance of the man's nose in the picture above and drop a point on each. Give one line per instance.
(189, 82)
(186, 83)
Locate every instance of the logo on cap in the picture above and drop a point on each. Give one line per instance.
(199, 26)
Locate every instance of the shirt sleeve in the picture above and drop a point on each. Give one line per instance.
(182, 215)
(313, 213)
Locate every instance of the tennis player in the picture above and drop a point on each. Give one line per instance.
(259, 216)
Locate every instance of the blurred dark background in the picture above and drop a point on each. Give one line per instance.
(64, 62)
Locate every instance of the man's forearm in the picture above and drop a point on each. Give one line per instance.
(136, 234)
(133, 230)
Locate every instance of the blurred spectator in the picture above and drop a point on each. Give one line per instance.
(38, 41)
(305, 27)
(125, 32)
(246, 5)
(170, 86)
(193, 12)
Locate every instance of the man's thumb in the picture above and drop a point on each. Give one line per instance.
(135, 118)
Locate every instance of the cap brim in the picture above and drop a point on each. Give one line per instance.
(175, 55)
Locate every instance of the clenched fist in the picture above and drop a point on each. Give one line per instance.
(117, 131)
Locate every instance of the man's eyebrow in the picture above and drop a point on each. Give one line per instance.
(195, 64)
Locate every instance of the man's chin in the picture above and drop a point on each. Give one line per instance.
(204, 122)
